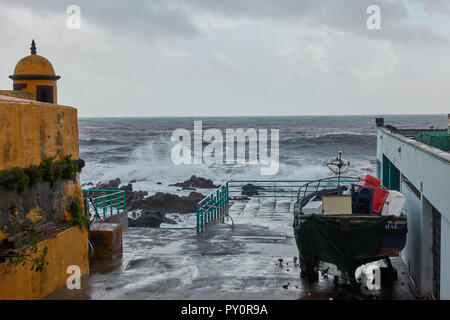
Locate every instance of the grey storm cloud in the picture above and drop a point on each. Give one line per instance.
(150, 18)
(165, 18)
(234, 57)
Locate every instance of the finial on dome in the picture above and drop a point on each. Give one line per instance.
(33, 47)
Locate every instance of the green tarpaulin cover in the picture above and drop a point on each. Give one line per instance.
(321, 239)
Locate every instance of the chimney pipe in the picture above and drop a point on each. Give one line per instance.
(380, 121)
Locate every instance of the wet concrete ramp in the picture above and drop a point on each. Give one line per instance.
(239, 261)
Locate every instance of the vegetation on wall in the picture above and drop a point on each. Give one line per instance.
(18, 179)
(78, 217)
(29, 252)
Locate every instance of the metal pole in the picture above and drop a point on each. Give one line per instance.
(198, 218)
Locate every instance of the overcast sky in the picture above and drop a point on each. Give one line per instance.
(237, 57)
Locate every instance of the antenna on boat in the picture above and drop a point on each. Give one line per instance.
(338, 166)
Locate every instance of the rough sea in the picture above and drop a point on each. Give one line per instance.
(139, 150)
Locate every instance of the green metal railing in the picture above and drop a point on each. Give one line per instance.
(102, 204)
(214, 207)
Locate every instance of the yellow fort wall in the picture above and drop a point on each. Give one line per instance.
(31, 87)
(69, 247)
(18, 94)
(31, 132)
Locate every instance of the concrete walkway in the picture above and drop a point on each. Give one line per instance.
(224, 262)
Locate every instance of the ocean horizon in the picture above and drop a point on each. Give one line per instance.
(138, 150)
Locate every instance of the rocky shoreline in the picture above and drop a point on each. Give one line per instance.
(152, 209)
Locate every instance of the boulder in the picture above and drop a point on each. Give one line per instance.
(150, 219)
(196, 182)
(168, 202)
(250, 190)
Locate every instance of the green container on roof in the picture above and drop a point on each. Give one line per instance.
(419, 136)
(437, 139)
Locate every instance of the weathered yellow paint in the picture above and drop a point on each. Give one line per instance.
(32, 131)
(18, 216)
(69, 247)
(18, 94)
(31, 87)
(34, 64)
(34, 215)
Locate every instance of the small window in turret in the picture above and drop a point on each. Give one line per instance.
(19, 86)
(44, 94)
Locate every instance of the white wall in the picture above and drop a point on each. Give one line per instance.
(430, 174)
(445, 258)
(426, 248)
(411, 252)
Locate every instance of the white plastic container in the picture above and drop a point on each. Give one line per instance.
(313, 207)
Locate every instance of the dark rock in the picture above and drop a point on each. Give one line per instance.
(251, 189)
(196, 182)
(150, 219)
(130, 194)
(111, 185)
(160, 202)
(167, 202)
(128, 188)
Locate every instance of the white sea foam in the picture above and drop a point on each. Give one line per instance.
(186, 220)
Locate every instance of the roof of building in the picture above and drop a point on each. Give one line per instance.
(12, 99)
(17, 94)
(407, 136)
(34, 66)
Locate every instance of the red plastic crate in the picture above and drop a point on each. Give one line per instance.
(379, 198)
(370, 181)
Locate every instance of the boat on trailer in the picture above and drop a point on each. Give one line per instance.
(352, 224)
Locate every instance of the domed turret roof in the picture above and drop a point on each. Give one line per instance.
(34, 66)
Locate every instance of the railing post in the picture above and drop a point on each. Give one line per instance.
(211, 201)
(222, 203)
(217, 204)
(205, 214)
(198, 217)
(214, 206)
(275, 190)
(211, 208)
(104, 208)
(111, 204)
(228, 193)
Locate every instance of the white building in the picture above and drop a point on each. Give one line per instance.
(422, 174)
